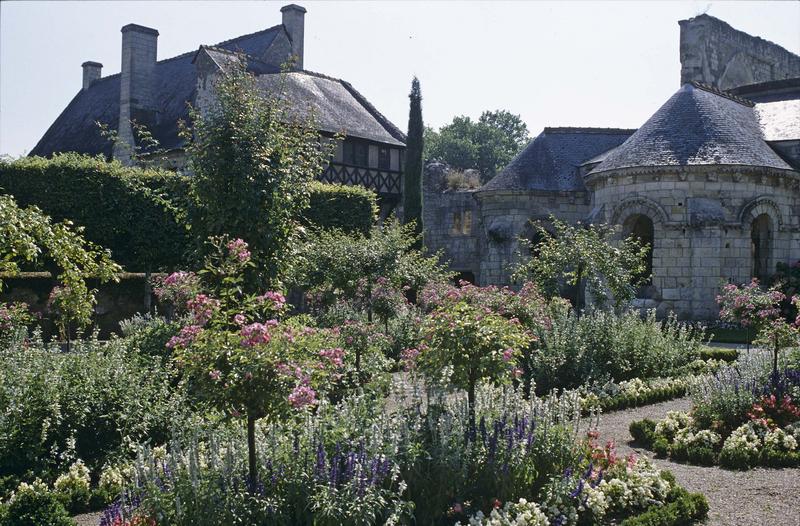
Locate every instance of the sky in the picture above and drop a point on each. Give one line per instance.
(554, 63)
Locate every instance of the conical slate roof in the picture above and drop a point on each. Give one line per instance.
(552, 160)
(697, 126)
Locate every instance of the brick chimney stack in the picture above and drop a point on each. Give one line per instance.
(91, 72)
(137, 99)
(294, 22)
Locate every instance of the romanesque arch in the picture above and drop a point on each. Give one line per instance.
(638, 206)
(758, 206)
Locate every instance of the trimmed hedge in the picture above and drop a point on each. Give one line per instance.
(656, 395)
(139, 214)
(353, 209)
(682, 508)
(718, 353)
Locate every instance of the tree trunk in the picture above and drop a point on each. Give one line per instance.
(578, 279)
(148, 292)
(471, 402)
(775, 361)
(251, 450)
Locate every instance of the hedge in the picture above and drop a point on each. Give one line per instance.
(719, 353)
(139, 214)
(681, 509)
(349, 208)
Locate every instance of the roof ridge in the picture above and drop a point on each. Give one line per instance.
(587, 129)
(215, 47)
(721, 93)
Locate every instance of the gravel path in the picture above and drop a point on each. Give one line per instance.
(749, 498)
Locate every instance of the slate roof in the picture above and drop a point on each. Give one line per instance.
(551, 161)
(339, 106)
(336, 106)
(779, 120)
(697, 126)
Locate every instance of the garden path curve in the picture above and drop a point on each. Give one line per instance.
(759, 497)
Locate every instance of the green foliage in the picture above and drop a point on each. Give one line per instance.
(486, 145)
(412, 178)
(472, 344)
(683, 508)
(599, 345)
(253, 162)
(351, 209)
(27, 236)
(148, 335)
(643, 431)
(718, 353)
(91, 403)
(577, 254)
(35, 507)
(137, 214)
(334, 265)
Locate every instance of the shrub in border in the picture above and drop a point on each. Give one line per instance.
(684, 508)
(712, 353)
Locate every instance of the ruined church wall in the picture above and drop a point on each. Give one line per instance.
(714, 53)
(506, 216)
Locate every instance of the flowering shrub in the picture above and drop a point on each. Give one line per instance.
(749, 305)
(520, 513)
(737, 419)
(15, 318)
(674, 422)
(176, 289)
(34, 505)
(74, 486)
(473, 343)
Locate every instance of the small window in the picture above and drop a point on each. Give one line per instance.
(456, 229)
(355, 153)
(383, 158)
(462, 223)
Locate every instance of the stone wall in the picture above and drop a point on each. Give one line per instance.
(451, 220)
(506, 216)
(702, 219)
(714, 53)
(115, 301)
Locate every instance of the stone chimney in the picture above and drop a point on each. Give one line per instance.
(294, 22)
(137, 99)
(91, 72)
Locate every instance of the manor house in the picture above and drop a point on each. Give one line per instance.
(156, 94)
(711, 181)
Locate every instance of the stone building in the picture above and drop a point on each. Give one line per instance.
(711, 181)
(154, 93)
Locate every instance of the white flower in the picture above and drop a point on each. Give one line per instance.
(780, 440)
(76, 480)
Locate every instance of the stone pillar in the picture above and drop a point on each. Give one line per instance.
(91, 72)
(294, 23)
(137, 101)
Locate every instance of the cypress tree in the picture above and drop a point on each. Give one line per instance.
(412, 187)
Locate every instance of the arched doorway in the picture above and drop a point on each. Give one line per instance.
(640, 227)
(761, 247)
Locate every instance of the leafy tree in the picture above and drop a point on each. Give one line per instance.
(238, 356)
(335, 264)
(253, 160)
(412, 181)
(486, 145)
(27, 236)
(585, 254)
